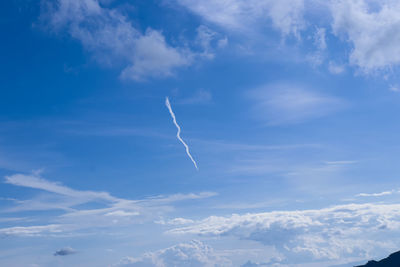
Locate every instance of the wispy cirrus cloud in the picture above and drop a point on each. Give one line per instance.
(380, 194)
(112, 212)
(36, 182)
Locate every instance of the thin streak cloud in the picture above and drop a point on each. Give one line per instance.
(178, 134)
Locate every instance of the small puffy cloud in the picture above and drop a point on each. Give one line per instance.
(287, 104)
(65, 251)
(335, 68)
(194, 254)
(352, 231)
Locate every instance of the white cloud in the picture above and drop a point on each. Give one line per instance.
(204, 38)
(318, 56)
(175, 221)
(384, 193)
(319, 38)
(286, 104)
(112, 38)
(153, 57)
(112, 212)
(369, 26)
(372, 29)
(36, 182)
(194, 254)
(340, 232)
(245, 15)
(32, 230)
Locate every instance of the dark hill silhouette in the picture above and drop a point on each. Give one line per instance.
(392, 261)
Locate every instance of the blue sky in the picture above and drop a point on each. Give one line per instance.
(289, 109)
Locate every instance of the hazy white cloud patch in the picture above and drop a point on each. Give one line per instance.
(394, 88)
(352, 231)
(199, 97)
(241, 15)
(320, 38)
(335, 68)
(194, 254)
(287, 104)
(208, 40)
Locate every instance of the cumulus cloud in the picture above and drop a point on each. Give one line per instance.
(340, 232)
(286, 104)
(110, 36)
(194, 254)
(65, 251)
(371, 27)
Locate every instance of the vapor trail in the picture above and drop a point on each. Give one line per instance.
(178, 134)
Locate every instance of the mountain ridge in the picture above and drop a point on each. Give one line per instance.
(393, 260)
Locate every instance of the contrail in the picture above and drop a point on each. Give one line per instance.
(178, 134)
